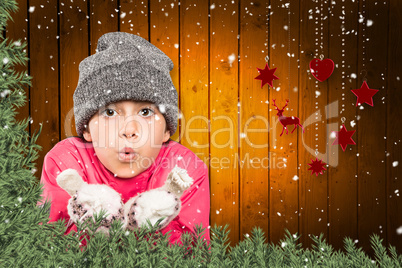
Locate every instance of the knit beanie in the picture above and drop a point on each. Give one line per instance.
(124, 67)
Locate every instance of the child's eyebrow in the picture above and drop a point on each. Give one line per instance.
(113, 105)
(118, 105)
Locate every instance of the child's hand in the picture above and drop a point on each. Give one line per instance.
(151, 205)
(86, 199)
(163, 202)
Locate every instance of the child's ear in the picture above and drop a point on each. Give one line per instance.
(166, 136)
(87, 136)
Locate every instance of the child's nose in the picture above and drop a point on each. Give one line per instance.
(130, 129)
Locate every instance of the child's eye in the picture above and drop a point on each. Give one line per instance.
(146, 112)
(108, 112)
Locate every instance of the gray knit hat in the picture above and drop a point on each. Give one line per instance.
(124, 67)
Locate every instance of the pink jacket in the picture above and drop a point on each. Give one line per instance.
(74, 153)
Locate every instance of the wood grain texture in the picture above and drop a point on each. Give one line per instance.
(253, 159)
(194, 80)
(44, 68)
(224, 90)
(227, 118)
(103, 19)
(313, 190)
(371, 126)
(74, 47)
(284, 173)
(342, 173)
(134, 16)
(164, 34)
(394, 129)
(18, 30)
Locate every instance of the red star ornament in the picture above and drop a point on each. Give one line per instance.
(365, 94)
(317, 166)
(344, 137)
(266, 75)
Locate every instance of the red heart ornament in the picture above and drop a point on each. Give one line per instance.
(321, 69)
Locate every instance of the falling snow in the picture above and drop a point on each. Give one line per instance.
(231, 58)
(4, 93)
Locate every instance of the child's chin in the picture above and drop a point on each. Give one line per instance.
(128, 174)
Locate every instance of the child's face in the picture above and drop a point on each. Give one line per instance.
(136, 125)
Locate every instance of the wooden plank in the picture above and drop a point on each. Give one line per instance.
(254, 122)
(371, 127)
(74, 47)
(394, 129)
(43, 46)
(224, 76)
(342, 172)
(284, 174)
(164, 34)
(103, 19)
(18, 30)
(194, 77)
(134, 17)
(313, 193)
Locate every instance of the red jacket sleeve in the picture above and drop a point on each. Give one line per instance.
(52, 167)
(195, 207)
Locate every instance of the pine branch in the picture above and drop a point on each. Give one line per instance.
(219, 244)
(380, 252)
(6, 7)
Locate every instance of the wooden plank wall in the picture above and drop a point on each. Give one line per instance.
(257, 177)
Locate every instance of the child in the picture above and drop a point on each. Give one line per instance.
(125, 108)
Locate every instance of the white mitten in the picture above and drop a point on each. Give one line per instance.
(158, 203)
(86, 199)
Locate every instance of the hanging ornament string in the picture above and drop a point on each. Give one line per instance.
(266, 44)
(289, 55)
(364, 94)
(343, 55)
(266, 75)
(364, 42)
(321, 32)
(321, 68)
(320, 11)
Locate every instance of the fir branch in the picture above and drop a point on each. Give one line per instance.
(380, 252)
(6, 7)
(200, 247)
(219, 244)
(292, 250)
(356, 256)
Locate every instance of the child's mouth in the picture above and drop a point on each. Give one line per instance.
(127, 156)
